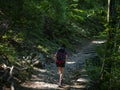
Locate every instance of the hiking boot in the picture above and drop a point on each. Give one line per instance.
(61, 81)
(59, 84)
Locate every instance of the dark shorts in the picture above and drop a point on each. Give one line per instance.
(60, 64)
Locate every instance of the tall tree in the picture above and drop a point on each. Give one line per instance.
(110, 44)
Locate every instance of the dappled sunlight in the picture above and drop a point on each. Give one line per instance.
(41, 85)
(40, 80)
(43, 70)
(98, 41)
(71, 62)
(82, 80)
(75, 72)
(74, 87)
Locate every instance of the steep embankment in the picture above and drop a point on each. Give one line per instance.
(75, 76)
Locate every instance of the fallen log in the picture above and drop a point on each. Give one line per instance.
(6, 75)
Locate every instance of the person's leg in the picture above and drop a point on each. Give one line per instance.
(61, 73)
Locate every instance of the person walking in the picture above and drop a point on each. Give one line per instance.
(60, 59)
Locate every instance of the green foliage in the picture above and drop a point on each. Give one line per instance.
(113, 59)
(46, 24)
(10, 51)
(93, 65)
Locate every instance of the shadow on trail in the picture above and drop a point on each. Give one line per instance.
(75, 76)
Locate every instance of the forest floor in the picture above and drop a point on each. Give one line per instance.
(75, 76)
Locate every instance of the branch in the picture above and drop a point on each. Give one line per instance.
(11, 72)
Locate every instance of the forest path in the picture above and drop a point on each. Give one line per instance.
(75, 76)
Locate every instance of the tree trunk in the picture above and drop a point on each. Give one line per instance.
(110, 44)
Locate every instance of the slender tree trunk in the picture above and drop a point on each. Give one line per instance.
(110, 45)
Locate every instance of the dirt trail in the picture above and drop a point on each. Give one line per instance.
(75, 76)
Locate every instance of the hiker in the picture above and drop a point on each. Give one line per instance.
(60, 59)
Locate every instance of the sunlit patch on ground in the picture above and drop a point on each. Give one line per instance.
(40, 85)
(99, 42)
(70, 62)
(82, 80)
(40, 70)
(75, 76)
